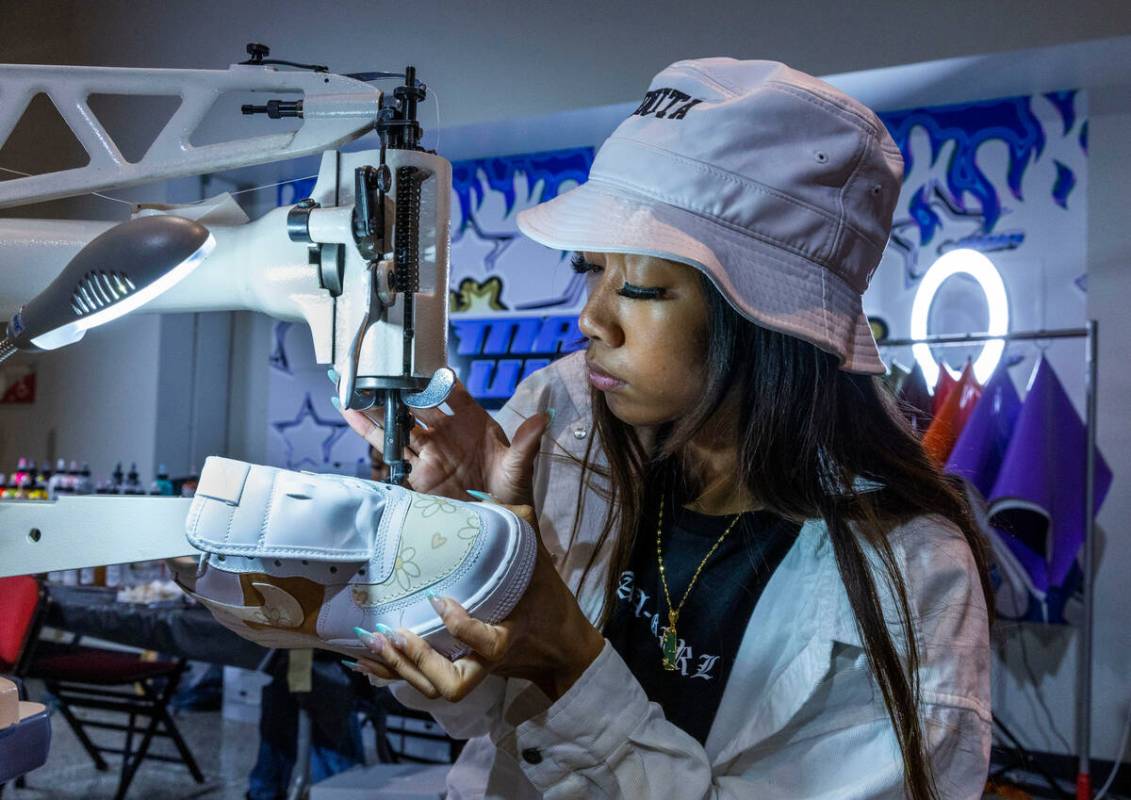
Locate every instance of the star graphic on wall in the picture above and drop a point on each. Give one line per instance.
(307, 416)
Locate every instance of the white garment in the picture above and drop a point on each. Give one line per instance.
(800, 717)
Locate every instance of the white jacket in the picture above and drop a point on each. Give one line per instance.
(800, 717)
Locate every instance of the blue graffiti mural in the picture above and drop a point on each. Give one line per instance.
(494, 354)
(967, 127)
(472, 179)
(1065, 103)
(924, 216)
(1064, 184)
(499, 241)
(931, 210)
(963, 195)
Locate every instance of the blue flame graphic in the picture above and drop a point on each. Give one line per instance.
(1065, 103)
(472, 179)
(1064, 184)
(968, 126)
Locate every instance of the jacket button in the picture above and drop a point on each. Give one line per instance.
(580, 433)
(532, 755)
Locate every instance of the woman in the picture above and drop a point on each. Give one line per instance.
(754, 582)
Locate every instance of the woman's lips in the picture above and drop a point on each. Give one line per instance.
(603, 381)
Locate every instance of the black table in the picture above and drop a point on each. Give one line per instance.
(182, 630)
(174, 628)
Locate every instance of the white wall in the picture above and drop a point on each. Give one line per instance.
(1109, 296)
(95, 402)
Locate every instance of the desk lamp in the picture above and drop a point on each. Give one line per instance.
(117, 272)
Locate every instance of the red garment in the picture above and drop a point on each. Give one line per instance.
(19, 599)
(951, 418)
(943, 387)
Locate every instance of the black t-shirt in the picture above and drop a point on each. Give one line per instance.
(712, 621)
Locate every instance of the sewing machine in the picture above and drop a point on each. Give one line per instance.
(363, 261)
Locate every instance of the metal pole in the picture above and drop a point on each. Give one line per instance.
(300, 777)
(1084, 701)
(954, 339)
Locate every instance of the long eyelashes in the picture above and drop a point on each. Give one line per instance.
(640, 292)
(579, 265)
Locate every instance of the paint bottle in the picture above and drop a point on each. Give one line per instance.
(133, 482)
(9, 489)
(72, 478)
(188, 485)
(81, 482)
(162, 485)
(38, 490)
(21, 488)
(15, 488)
(56, 479)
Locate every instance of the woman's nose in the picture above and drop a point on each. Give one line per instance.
(597, 320)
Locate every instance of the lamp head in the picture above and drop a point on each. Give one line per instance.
(115, 273)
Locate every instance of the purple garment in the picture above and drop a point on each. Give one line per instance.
(981, 447)
(1038, 497)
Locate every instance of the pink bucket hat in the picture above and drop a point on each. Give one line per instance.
(776, 185)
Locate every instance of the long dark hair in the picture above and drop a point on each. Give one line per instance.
(806, 431)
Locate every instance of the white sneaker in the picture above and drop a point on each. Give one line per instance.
(296, 559)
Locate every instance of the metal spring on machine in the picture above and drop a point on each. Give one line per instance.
(406, 250)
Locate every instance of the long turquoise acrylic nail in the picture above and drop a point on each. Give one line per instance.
(391, 635)
(335, 402)
(552, 413)
(484, 496)
(332, 374)
(365, 636)
(350, 664)
(438, 603)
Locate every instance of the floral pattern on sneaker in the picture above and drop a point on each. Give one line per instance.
(437, 536)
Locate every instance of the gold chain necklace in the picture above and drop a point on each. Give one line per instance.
(669, 641)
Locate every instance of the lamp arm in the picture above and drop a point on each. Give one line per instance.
(335, 109)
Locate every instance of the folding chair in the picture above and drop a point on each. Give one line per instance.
(82, 677)
(395, 742)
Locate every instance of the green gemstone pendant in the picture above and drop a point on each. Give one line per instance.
(669, 642)
(668, 648)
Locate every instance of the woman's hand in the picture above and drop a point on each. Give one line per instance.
(464, 450)
(546, 640)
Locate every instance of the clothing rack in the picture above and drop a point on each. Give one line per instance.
(1090, 333)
